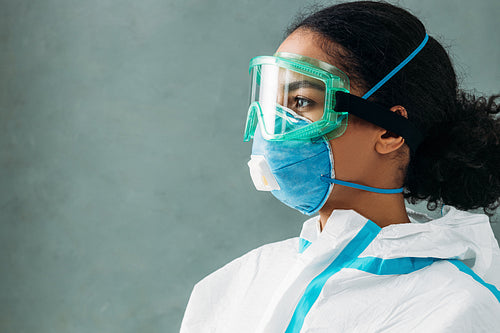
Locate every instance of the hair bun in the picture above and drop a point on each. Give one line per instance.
(458, 162)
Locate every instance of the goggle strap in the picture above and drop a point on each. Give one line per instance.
(380, 116)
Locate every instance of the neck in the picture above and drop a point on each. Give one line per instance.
(382, 209)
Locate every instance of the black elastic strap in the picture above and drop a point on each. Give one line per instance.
(380, 116)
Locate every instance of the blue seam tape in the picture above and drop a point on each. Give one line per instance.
(363, 187)
(464, 268)
(355, 247)
(380, 266)
(303, 244)
(397, 68)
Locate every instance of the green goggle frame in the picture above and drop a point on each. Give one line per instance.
(332, 122)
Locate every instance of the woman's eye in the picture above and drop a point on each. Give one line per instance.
(301, 102)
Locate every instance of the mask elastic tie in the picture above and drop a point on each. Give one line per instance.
(363, 187)
(397, 68)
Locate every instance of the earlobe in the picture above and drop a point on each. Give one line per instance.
(388, 141)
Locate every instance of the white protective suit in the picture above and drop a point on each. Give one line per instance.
(357, 277)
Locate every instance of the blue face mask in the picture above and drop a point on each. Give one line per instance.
(293, 171)
(298, 173)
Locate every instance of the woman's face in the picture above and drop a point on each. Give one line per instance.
(354, 151)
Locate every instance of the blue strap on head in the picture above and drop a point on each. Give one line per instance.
(397, 68)
(412, 135)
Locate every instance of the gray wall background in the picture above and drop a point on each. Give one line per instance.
(123, 177)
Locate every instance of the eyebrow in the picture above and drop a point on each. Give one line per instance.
(304, 84)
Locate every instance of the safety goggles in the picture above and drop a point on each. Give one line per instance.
(293, 98)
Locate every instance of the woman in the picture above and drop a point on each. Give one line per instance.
(358, 110)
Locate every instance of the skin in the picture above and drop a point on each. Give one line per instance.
(365, 154)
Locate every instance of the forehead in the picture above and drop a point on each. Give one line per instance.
(293, 81)
(306, 43)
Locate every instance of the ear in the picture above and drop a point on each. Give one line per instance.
(387, 142)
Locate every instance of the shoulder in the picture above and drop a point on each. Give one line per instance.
(437, 298)
(473, 287)
(450, 283)
(459, 301)
(253, 261)
(245, 279)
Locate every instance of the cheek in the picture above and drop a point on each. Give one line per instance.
(351, 154)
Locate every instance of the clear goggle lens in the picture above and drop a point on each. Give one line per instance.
(290, 104)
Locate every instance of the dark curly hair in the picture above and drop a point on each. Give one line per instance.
(458, 163)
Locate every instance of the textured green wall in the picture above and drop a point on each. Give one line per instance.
(123, 177)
